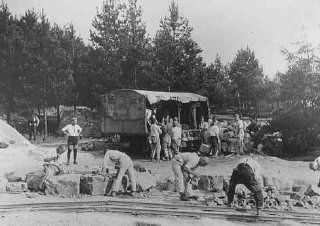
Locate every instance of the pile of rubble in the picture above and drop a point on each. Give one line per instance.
(277, 194)
(60, 180)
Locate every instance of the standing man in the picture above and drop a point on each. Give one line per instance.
(183, 165)
(33, 123)
(247, 173)
(125, 164)
(239, 132)
(72, 131)
(155, 139)
(204, 126)
(166, 139)
(214, 138)
(176, 137)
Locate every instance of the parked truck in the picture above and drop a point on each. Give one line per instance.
(125, 113)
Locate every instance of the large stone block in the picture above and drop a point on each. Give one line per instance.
(94, 184)
(67, 185)
(204, 183)
(34, 180)
(216, 183)
(145, 181)
(16, 187)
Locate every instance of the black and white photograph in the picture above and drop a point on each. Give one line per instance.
(159, 112)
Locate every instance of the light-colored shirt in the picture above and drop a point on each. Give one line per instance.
(240, 127)
(72, 130)
(214, 131)
(155, 130)
(116, 157)
(190, 160)
(176, 132)
(255, 166)
(204, 125)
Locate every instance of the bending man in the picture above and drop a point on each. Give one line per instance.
(183, 165)
(125, 164)
(247, 173)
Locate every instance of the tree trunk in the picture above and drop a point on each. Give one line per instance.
(45, 134)
(58, 118)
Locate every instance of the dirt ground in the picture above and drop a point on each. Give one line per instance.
(271, 167)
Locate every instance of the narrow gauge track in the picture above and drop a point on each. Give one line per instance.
(164, 209)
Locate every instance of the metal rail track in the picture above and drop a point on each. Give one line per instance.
(163, 209)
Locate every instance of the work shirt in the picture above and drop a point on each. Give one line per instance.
(116, 157)
(155, 130)
(204, 125)
(255, 166)
(167, 128)
(240, 127)
(72, 130)
(214, 131)
(176, 132)
(34, 120)
(188, 160)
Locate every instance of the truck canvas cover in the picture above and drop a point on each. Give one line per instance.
(157, 96)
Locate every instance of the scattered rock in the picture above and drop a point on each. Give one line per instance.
(313, 190)
(167, 185)
(16, 187)
(94, 184)
(34, 180)
(3, 145)
(67, 185)
(296, 196)
(298, 204)
(299, 188)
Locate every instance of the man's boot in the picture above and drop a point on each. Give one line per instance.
(75, 152)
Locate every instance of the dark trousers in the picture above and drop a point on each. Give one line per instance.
(214, 145)
(73, 142)
(243, 174)
(32, 131)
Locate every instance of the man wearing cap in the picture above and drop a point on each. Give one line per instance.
(183, 165)
(72, 131)
(125, 164)
(247, 173)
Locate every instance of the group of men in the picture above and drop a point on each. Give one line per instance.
(183, 164)
(166, 136)
(210, 134)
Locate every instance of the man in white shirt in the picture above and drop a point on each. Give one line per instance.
(239, 131)
(247, 173)
(125, 164)
(72, 131)
(176, 137)
(33, 123)
(183, 165)
(214, 138)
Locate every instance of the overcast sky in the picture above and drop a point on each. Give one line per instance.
(220, 26)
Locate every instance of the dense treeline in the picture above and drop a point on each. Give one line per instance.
(45, 65)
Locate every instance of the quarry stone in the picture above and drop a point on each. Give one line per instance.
(67, 185)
